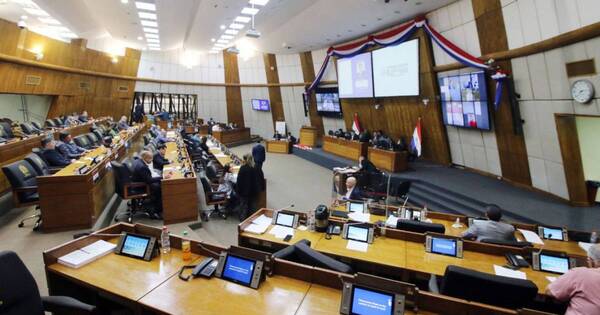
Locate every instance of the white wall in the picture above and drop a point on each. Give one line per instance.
(252, 71)
(290, 71)
(330, 75)
(472, 148)
(11, 106)
(542, 81)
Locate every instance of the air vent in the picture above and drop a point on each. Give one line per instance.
(84, 85)
(123, 88)
(33, 80)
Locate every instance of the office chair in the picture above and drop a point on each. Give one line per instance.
(507, 243)
(40, 166)
(28, 129)
(400, 192)
(3, 135)
(22, 178)
(485, 288)
(82, 141)
(36, 125)
(146, 139)
(98, 133)
(50, 123)
(302, 253)
(134, 192)
(212, 173)
(7, 129)
(151, 147)
(419, 226)
(94, 140)
(20, 295)
(213, 198)
(58, 122)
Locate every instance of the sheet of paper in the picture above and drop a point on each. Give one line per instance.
(75, 258)
(551, 279)
(505, 272)
(262, 219)
(100, 247)
(220, 155)
(281, 231)
(256, 228)
(391, 221)
(531, 237)
(360, 217)
(302, 227)
(585, 246)
(357, 246)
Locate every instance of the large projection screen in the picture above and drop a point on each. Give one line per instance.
(355, 76)
(396, 70)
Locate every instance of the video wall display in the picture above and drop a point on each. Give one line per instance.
(328, 102)
(355, 76)
(464, 101)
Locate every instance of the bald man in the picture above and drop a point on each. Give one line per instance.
(143, 172)
(352, 192)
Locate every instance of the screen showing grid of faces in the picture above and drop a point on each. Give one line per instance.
(464, 100)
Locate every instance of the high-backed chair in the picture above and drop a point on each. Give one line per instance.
(3, 136)
(213, 198)
(302, 253)
(134, 192)
(36, 125)
(94, 140)
(7, 129)
(22, 178)
(401, 190)
(419, 226)
(50, 123)
(59, 122)
(28, 129)
(98, 133)
(20, 295)
(82, 141)
(486, 288)
(40, 166)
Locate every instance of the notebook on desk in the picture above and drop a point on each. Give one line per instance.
(85, 255)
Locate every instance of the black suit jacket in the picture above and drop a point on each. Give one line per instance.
(142, 173)
(356, 194)
(158, 161)
(368, 166)
(54, 158)
(248, 184)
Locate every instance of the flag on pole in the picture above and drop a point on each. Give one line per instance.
(415, 143)
(356, 124)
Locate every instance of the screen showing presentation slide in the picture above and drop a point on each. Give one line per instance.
(328, 102)
(369, 302)
(464, 101)
(443, 246)
(355, 76)
(285, 219)
(358, 233)
(238, 269)
(262, 105)
(135, 246)
(554, 264)
(396, 70)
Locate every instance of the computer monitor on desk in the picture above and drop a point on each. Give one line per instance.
(554, 262)
(374, 296)
(444, 245)
(358, 232)
(553, 233)
(240, 269)
(356, 206)
(286, 219)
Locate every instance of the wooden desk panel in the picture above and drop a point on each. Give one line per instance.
(391, 161)
(383, 251)
(345, 148)
(232, 136)
(309, 136)
(277, 295)
(179, 194)
(279, 146)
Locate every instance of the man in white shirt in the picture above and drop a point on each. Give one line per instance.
(352, 192)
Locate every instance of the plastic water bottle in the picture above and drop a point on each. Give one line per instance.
(165, 243)
(594, 238)
(186, 247)
(310, 220)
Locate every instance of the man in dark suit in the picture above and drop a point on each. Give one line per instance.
(67, 148)
(52, 156)
(352, 192)
(259, 155)
(365, 165)
(142, 172)
(159, 160)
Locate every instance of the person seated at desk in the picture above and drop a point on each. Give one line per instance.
(210, 121)
(291, 138)
(339, 133)
(277, 135)
(352, 192)
(159, 160)
(203, 144)
(84, 116)
(227, 185)
(123, 125)
(364, 165)
(364, 136)
(52, 156)
(216, 127)
(144, 172)
(67, 147)
(17, 131)
(72, 120)
(491, 228)
(580, 286)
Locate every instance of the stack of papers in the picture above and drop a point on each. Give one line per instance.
(585, 246)
(531, 237)
(391, 221)
(83, 256)
(357, 246)
(259, 225)
(218, 155)
(359, 217)
(281, 231)
(505, 272)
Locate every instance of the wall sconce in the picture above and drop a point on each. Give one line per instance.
(37, 52)
(39, 56)
(114, 59)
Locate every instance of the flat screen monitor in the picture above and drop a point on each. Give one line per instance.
(285, 219)
(366, 301)
(464, 101)
(328, 102)
(355, 76)
(135, 245)
(555, 264)
(358, 233)
(353, 206)
(443, 246)
(553, 233)
(238, 270)
(261, 105)
(396, 70)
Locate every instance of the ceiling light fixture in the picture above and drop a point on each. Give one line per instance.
(226, 36)
(223, 41)
(212, 40)
(150, 30)
(153, 40)
(145, 6)
(259, 2)
(250, 11)
(68, 35)
(149, 23)
(147, 16)
(140, 38)
(24, 17)
(124, 1)
(222, 27)
(153, 48)
(49, 20)
(231, 32)
(242, 19)
(37, 12)
(236, 26)
(151, 35)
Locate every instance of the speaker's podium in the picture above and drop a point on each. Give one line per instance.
(308, 136)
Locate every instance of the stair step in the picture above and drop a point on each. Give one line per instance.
(454, 199)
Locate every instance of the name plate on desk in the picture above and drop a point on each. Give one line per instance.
(95, 177)
(82, 170)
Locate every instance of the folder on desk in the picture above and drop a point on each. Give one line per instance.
(258, 225)
(83, 256)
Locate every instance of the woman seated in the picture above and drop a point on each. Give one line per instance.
(227, 184)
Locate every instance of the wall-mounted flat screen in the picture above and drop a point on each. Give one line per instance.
(262, 105)
(396, 70)
(464, 101)
(328, 102)
(355, 76)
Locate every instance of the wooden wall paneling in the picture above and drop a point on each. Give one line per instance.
(308, 73)
(274, 91)
(511, 147)
(235, 112)
(566, 128)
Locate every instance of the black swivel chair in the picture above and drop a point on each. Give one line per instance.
(20, 295)
(36, 125)
(3, 135)
(50, 123)
(58, 122)
(485, 288)
(82, 141)
(22, 178)
(134, 192)
(39, 165)
(302, 253)
(401, 191)
(419, 226)
(213, 198)
(7, 129)
(28, 129)
(94, 140)
(99, 134)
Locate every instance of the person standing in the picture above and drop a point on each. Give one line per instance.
(247, 186)
(259, 155)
